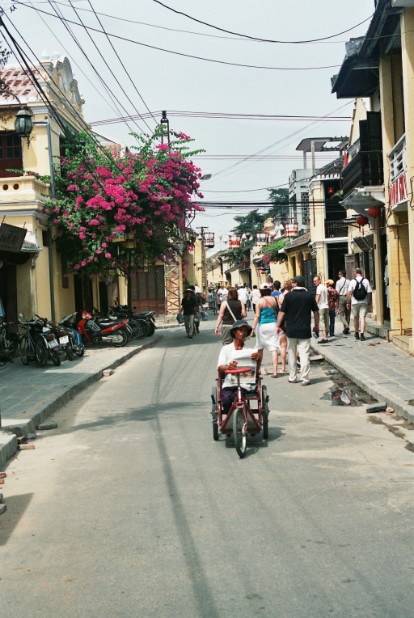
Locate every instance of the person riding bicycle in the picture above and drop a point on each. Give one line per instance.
(235, 355)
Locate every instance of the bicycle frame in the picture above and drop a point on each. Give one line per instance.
(252, 421)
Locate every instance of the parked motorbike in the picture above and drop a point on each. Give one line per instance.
(141, 327)
(97, 329)
(74, 346)
(149, 317)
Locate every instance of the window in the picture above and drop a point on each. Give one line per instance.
(10, 154)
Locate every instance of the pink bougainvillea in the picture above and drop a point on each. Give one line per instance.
(145, 195)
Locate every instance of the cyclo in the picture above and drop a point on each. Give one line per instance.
(248, 412)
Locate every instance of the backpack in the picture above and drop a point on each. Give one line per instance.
(360, 291)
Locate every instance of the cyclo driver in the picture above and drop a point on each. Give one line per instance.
(233, 355)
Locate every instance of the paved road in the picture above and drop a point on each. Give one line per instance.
(131, 509)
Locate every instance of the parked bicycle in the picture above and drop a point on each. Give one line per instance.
(9, 342)
(38, 343)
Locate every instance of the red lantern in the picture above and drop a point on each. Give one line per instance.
(361, 220)
(374, 211)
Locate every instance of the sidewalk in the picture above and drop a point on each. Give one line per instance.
(28, 395)
(376, 366)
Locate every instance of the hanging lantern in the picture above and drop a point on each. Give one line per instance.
(374, 212)
(23, 124)
(361, 220)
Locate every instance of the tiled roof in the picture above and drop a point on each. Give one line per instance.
(19, 82)
(297, 242)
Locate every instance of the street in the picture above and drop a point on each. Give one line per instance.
(129, 508)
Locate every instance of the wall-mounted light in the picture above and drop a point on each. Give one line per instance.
(23, 124)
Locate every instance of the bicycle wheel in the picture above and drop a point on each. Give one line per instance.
(24, 350)
(214, 413)
(12, 345)
(42, 351)
(265, 412)
(239, 432)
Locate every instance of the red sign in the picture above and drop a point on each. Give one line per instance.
(398, 191)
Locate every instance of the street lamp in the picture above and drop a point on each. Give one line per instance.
(23, 124)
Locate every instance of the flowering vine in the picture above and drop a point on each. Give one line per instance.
(143, 196)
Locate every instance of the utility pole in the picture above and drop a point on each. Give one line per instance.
(207, 241)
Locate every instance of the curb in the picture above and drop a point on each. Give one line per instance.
(9, 433)
(369, 387)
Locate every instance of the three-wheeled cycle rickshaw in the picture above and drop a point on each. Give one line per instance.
(248, 414)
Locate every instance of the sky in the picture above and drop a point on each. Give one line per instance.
(245, 156)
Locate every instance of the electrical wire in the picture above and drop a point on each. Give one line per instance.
(27, 67)
(229, 116)
(107, 66)
(278, 142)
(114, 99)
(254, 38)
(62, 99)
(123, 66)
(184, 55)
(179, 30)
(91, 82)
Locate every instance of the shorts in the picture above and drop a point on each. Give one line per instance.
(359, 310)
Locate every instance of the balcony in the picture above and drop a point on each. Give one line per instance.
(22, 193)
(336, 229)
(364, 170)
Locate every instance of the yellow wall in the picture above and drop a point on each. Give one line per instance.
(399, 276)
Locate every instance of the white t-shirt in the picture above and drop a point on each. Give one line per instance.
(228, 353)
(255, 296)
(243, 295)
(351, 288)
(323, 298)
(341, 286)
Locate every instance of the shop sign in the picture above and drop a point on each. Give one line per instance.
(398, 191)
(11, 238)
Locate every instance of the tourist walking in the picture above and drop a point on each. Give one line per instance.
(188, 309)
(265, 322)
(344, 308)
(296, 310)
(231, 310)
(322, 302)
(255, 297)
(333, 297)
(360, 297)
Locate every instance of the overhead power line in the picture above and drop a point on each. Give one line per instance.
(254, 38)
(184, 55)
(179, 30)
(108, 98)
(228, 116)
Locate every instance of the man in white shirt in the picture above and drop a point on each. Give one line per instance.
(243, 295)
(222, 294)
(255, 296)
(360, 297)
(323, 306)
(344, 308)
